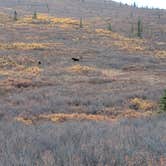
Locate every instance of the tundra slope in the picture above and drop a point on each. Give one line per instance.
(116, 73)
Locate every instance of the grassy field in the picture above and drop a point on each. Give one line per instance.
(139, 142)
(99, 111)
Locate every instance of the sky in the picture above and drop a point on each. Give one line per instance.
(151, 3)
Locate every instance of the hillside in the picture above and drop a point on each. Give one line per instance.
(118, 78)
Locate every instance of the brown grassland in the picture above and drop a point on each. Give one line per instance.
(99, 111)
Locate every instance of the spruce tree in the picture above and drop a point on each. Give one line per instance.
(15, 16)
(81, 23)
(35, 15)
(139, 28)
(163, 102)
(109, 27)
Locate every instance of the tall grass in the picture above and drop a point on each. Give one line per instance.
(128, 142)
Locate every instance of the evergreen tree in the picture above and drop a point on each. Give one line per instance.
(109, 27)
(35, 15)
(81, 23)
(15, 16)
(139, 28)
(163, 102)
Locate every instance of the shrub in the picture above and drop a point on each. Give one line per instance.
(138, 142)
(141, 104)
(34, 15)
(163, 102)
(109, 27)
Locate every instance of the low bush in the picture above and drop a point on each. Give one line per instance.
(132, 142)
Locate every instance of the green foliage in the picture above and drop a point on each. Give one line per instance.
(81, 23)
(139, 28)
(35, 15)
(163, 103)
(109, 27)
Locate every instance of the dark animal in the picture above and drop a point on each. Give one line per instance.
(39, 62)
(76, 59)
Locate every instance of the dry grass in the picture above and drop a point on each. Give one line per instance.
(133, 114)
(12, 83)
(133, 142)
(22, 46)
(56, 20)
(85, 69)
(24, 120)
(75, 116)
(27, 46)
(33, 71)
(79, 68)
(3, 18)
(141, 104)
(9, 82)
(122, 42)
(61, 117)
(6, 61)
(18, 67)
(15, 61)
(46, 19)
(22, 71)
(160, 54)
(111, 72)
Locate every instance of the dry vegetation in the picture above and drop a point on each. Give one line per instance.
(124, 43)
(101, 110)
(79, 68)
(126, 142)
(61, 117)
(46, 19)
(161, 54)
(142, 104)
(27, 46)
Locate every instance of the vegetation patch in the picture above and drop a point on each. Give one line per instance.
(110, 72)
(75, 116)
(79, 68)
(28, 46)
(24, 120)
(85, 69)
(160, 54)
(7, 62)
(61, 117)
(33, 71)
(122, 42)
(22, 71)
(23, 83)
(163, 103)
(24, 46)
(46, 19)
(4, 18)
(141, 104)
(134, 114)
